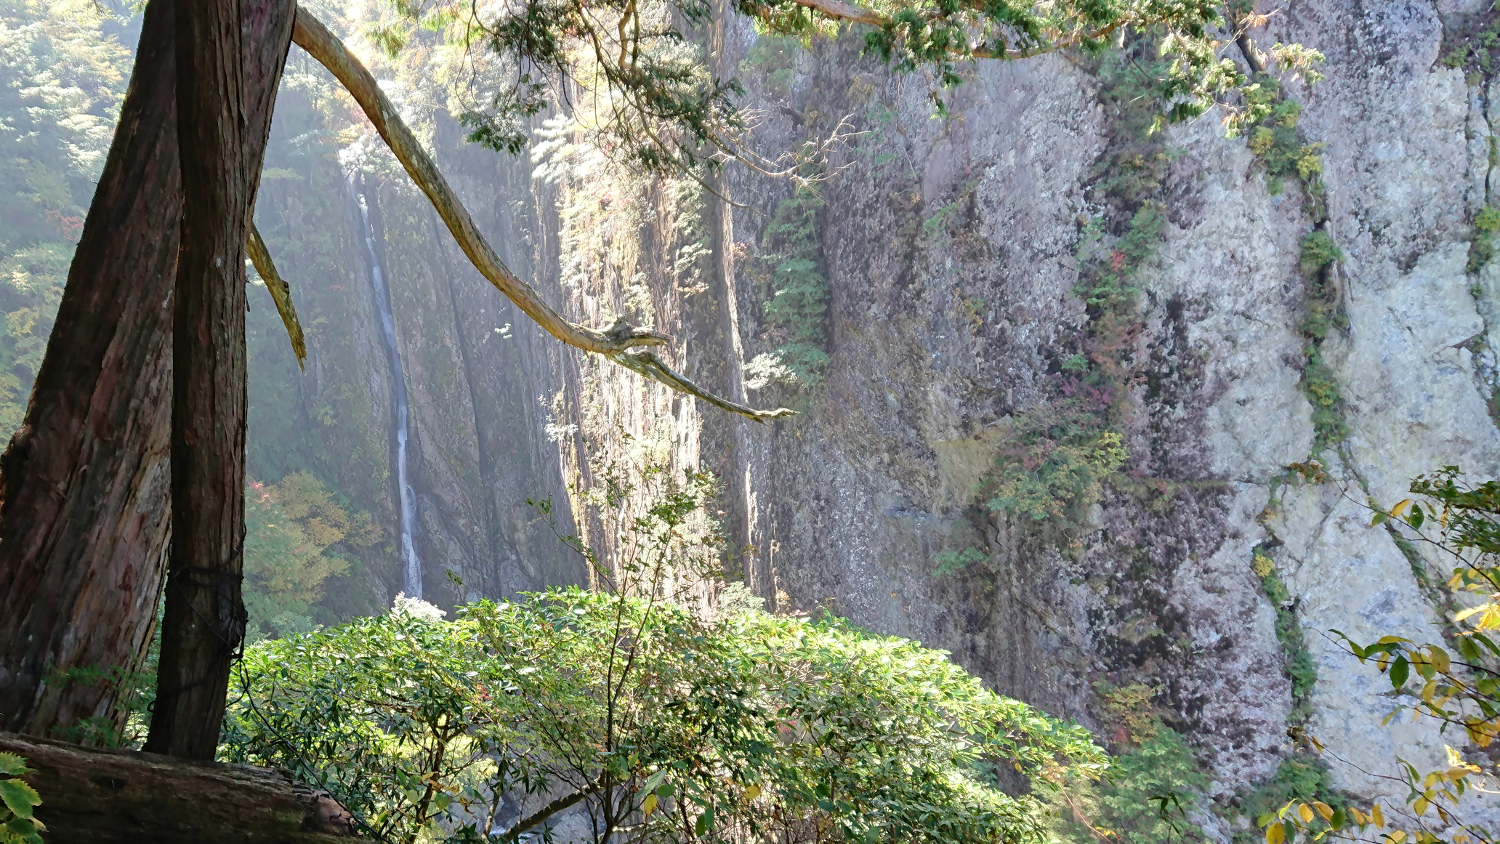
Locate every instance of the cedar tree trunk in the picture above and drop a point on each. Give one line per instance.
(220, 153)
(83, 485)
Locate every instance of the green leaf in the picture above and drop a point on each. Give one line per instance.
(19, 797)
(1400, 669)
(654, 780)
(25, 830)
(705, 822)
(1416, 518)
(12, 765)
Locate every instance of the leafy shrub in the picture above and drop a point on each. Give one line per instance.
(1151, 785)
(641, 713)
(1318, 251)
(1482, 245)
(950, 562)
(676, 724)
(17, 801)
(1297, 659)
(1054, 464)
(795, 295)
(1297, 778)
(1274, 139)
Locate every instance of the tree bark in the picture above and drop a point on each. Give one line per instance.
(83, 485)
(220, 154)
(110, 796)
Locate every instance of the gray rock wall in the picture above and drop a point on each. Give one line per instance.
(952, 254)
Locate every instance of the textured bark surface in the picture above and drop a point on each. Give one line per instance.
(83, 523)
(118, 796)
(220, 154)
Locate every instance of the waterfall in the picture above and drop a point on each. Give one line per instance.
(412, 567)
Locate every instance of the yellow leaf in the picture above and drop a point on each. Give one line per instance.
(1378, 815)
(1305, 812)
(1463, 614)
(1396, 837)
(1323, 809)
(1359, 817)
(1275, 834)
(1420, 805)
(1400, 508)
(649, 806)
(752, 792)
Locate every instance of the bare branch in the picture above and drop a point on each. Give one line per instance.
(565, 802)
(311, 35)
(281, 294)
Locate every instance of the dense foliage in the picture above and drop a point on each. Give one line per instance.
(652, 719)
(789, 274)
(634, 710)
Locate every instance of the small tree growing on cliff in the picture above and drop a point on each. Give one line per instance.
(1454, 681)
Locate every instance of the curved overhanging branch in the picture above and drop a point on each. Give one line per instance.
(281, 294)
(615, 343)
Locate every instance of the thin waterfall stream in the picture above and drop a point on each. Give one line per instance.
(411, 565)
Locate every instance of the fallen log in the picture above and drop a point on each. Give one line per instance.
(93, 796)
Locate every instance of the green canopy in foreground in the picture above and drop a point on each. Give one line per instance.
(646, 722)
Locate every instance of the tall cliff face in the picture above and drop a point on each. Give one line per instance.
(1035, 286)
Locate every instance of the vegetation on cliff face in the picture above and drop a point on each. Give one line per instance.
(789, 277)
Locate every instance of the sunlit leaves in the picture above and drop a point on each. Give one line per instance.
(630, 75)
(1455, 681)
(753, 722)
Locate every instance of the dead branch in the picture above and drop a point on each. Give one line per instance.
(281, 293)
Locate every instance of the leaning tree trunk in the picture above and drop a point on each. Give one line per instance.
(84, 485)
(98, 796)
(220, 153)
